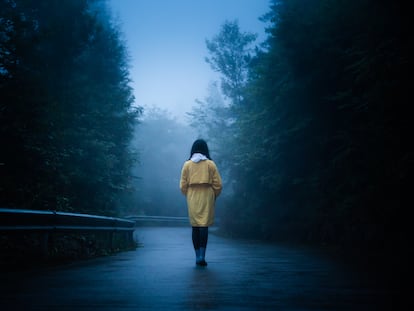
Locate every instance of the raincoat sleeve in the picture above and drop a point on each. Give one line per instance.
(216, 181)
(184, 180)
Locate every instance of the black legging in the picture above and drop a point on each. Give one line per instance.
(200, 237)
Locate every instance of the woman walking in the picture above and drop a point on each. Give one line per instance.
(201, 183)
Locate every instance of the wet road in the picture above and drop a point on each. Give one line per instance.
(161, 275)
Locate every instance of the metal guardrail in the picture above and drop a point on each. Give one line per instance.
(20, 219)
(49, 222)
(170, 219)
(165, 220)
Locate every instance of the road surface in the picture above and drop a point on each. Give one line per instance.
(161, 275)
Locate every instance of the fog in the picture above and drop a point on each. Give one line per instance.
(164, 144)
(304, 111)
(166, 45)
(166, 42)
(101, 100)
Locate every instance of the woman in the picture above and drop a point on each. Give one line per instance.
(201, 183)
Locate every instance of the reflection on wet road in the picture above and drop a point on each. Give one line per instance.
(161, 275)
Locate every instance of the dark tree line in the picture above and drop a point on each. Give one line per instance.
(66, 114)
(314, 138)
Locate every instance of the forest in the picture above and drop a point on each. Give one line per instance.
(66, 110)
(309, 128)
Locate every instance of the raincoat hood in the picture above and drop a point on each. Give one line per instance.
(197, 157)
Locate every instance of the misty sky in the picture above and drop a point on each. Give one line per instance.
(166, 43)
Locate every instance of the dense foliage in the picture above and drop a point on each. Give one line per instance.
(66, 114)
(316, 146)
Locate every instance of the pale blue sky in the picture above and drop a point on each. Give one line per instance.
(166, 43)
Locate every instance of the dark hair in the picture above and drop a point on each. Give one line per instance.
(200, 146)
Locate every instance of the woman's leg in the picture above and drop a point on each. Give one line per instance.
(196, 242)
(203, 236)
(196, 237)
(203, 244)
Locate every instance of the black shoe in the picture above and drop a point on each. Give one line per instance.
(202, 263)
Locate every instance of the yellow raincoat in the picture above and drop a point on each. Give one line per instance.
(201, 183)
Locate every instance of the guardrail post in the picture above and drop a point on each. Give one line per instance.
(130, 237)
